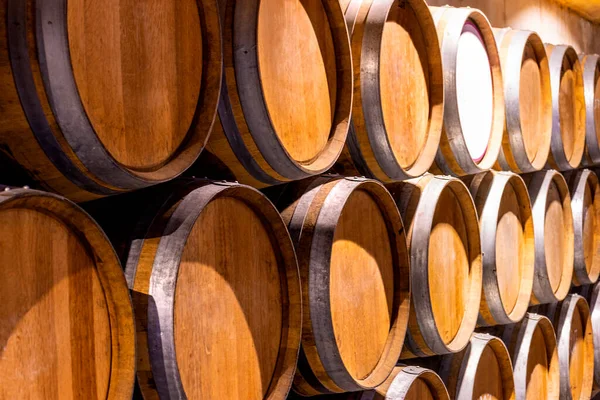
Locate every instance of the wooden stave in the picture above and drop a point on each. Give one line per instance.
(590, 64)
(304, 205)
(518, 338)
(260, 159)
(453, 157)
(426, 341)
(70, 159)
(561, 315)
(492, 310)
(119, 305)
(577, 184)
(175, 211)
(512, 154)
(538, 184)
(458, 370)
(590, 293)
(557, 158)
(385, 166)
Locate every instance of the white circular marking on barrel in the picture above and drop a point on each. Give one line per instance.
(474, 91)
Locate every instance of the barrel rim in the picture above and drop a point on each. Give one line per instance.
(515, 150)
(163, 282)
(595, 317)
(571, 304)
(591, 74)
(252, 101)
(488, 221)
(110, 275)
(71, 117)
(419, 256)
(449, 32)
(580, 181)
(408, 375)
(558, 158)
(470, 363)
(538, 188)
(520, 353)
(319, 280)
(370, 87)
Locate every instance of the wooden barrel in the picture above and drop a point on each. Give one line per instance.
(66, 322)
(482, 371)
(507, 245)
(528, 100)
(404, 383)
(590, 63)
(106, 97)
(217, 294)
(585, 192)
(353, 260)
(399, 92)
(474, 103)
(590, 293)
(568, 108)
(553, 235)
(532, 347)
(446, 270)
(287, 91)
(573, 327)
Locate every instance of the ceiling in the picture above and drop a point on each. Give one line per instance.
(588, 8)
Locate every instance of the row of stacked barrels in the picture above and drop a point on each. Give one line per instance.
(480, 282)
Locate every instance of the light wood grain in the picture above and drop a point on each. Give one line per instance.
(138, 67)
(537, 367)
(554, 236)
(531, 106)
(488, 379)
(296, 58)
(362, 278)
(448, 266)
(234, 285)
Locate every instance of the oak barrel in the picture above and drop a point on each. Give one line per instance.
(216, 288)
(507, 244)
(404, 383)
(399, 92)
(66, 321)
(573, 327)
(553, 235)
(590, 63)
(483, 370)
(590, 293)
(568, 108)
(287, 90)
(474, 104)
(533, 350)
(446, 268)
(585, 205)
(106, 97)
(528, 100)
(354, 270)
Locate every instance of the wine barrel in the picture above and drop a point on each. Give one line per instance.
(573, 327)
(399, 92)
(528, 100)
(287, 91)
(404, 383)
(532, 347)
(590, 63)
(568, 108)
(216, 288)
(66, 322)
(483, 370)
(553, 235)
(507, 244)
(446, 270)
(106, 97)
(590, 293)
(585, 191)
(474, 105)
(353, 260)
